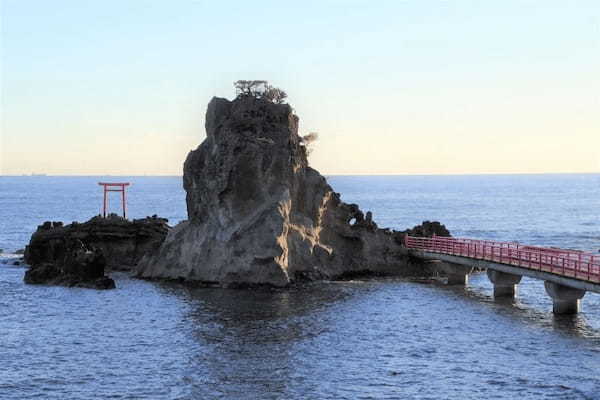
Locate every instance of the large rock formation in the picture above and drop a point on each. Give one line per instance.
(122, 242)
(258, 214)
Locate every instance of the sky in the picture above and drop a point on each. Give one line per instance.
(392, 87)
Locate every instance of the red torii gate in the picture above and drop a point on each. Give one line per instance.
(114, 187)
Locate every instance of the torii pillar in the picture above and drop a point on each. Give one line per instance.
(114, 187)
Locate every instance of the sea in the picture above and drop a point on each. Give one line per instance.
(376, 338)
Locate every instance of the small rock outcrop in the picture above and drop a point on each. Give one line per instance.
(121, 242)
(78, 254)
(259, 214)
(428, 229)
(80, 266)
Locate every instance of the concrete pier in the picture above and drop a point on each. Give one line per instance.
(457, 274)
(566, 291)
(565, 299)
(505, 284)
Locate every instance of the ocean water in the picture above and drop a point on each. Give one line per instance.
(370, 339)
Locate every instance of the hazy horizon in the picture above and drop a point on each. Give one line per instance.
(396, 88)
(37, 175)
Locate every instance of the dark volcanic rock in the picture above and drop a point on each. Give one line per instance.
(428, 229)
(80, 266)
(77, 254)
(258, 214)
(42, 273)
(121, 242)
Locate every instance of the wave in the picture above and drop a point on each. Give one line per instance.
(11, 259)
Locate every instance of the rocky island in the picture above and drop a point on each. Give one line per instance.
(78, 254)
(258, 214)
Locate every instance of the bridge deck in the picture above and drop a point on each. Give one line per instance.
(574, 265)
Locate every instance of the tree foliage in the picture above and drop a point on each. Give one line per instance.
(275, 95)
(250, 88)
(308, 141)
(310, 137)
(260, 90)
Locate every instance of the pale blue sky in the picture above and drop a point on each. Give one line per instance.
(121, 87)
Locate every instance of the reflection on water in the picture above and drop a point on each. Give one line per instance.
(575, 325)
(533, 306)
(385, 338)
(247, 338)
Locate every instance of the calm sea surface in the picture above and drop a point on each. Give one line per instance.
(371, 339)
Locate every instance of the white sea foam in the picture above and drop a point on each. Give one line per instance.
(9, 259)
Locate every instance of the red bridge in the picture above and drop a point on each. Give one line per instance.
(568, 274)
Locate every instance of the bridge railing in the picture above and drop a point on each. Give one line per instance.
(571, 263)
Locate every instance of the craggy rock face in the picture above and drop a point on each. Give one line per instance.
(121, 242)
(428, 229)
(80, 266)
(258, 214)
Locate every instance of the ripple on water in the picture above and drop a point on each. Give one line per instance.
(384, 339)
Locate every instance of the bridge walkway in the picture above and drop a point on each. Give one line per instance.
(568, 274)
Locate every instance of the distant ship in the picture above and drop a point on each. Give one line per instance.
(32, 174)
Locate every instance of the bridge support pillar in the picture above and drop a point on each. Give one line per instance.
(505, 284)
(457, 274)
(565, 299)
